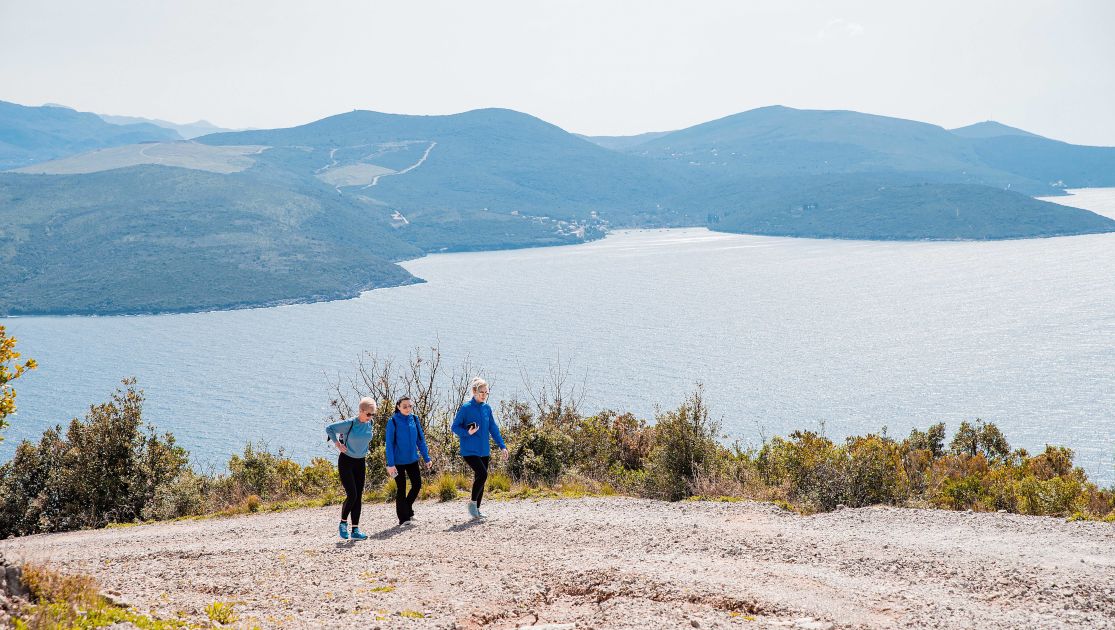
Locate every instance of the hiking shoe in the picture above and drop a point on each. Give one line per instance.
(480, 514)
(343, 529)
(410, 522)
(358, 535)
(473, 511)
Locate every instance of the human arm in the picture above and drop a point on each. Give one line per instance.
(493, 430)
(333, 432)
(459, 422)
(425, 452)
(388, 442)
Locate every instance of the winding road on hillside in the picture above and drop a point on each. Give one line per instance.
(609, 563)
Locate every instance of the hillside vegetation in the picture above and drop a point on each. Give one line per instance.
(874, 206)
(113, 467)
(179, 241)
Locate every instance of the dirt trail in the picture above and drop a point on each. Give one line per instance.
(610, 563)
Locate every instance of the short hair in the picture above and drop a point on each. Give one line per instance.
(368, 404)
(477, 383)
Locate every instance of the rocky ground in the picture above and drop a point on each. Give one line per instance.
(608, 563)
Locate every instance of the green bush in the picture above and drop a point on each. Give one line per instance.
(540, 455)
(108, 468)
(685, 448)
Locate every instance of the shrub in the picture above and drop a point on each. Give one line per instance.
(222, 612)
(498, 482)
(982, 438)
(541, 454)
(10, 369)
(685, 447)
(108, 468)
(808, 465)
(874, 473)
(446, 485)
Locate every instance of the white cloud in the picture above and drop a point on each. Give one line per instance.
(838, 28)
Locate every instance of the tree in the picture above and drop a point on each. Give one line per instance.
(982, 438)
(10, 370)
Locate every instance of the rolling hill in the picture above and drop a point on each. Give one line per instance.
(884, 206)
(780, 141)
(162, 239)
(37, 134)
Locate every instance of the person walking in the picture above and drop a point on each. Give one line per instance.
(476, 426)
(405, 441)
(351, 437)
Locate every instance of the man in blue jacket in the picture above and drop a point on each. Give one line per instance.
(476, 426)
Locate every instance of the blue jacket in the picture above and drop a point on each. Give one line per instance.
(481, 414)
(355, 435)
(404, 440)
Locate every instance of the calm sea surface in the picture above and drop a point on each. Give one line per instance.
(784, 333)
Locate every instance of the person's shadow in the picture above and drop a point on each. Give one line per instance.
(467, 525)
(386, 534)
(347, 544)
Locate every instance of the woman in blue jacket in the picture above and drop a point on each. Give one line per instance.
(351, 437)
(474, 425)
(404, 442)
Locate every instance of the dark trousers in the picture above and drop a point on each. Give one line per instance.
(351, 470)
(479, 466)
(404, 501)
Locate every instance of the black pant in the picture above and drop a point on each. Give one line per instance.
(351, 470)
(404, 501)
(479, 466)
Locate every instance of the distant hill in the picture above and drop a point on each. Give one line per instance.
(496, 160)
(162, 239)
(188, 131)
(781, 141)
(623, 143)
(990, 129)
(885, 207)
(36, 134)
(1060, 164)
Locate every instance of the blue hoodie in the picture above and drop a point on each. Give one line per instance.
(478, 443)
(355, 435)
(404, 440)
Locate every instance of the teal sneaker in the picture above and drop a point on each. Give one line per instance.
(473, 511)
(357, 534)
(344, 530)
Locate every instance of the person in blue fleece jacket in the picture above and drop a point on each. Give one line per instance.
(351, 437)
(405, 441)
(476, 426)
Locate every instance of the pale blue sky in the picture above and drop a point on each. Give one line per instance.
(597, 67)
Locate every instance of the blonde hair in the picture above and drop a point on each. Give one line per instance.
(477, 383)
(368, 404)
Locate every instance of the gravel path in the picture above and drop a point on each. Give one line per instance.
(610, 563)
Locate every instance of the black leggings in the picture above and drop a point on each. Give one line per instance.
(404, 501)
(351, 470)
(479, 466)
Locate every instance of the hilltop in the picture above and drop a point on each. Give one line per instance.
(608, 563)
